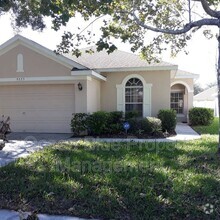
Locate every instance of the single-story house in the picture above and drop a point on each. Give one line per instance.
(207, 99)
(40, 90)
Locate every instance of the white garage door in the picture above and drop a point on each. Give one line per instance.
(38, 108)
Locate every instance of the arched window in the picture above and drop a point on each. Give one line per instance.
(134, 96)
(20, 63)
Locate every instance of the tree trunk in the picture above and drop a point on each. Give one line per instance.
(218, 80)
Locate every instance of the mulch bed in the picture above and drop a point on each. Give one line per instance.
(129, 136)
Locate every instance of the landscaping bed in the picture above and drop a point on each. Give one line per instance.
(117, 180)
(129, 136)
(119, 125)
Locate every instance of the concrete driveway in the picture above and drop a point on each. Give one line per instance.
(23, 144)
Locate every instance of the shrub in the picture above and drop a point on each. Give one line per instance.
(79, 123)
(115, 117)
(155, 125)
(130, 115)
(201, 116)
(134, 126)
(98, 122)
(168, 119)
(144, 125)
(116, 128)
(147, 125)
(115, 120)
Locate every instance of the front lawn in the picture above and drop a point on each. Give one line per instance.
(209, 129)
(117, 181)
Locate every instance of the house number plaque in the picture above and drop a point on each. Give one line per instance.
(20, 79)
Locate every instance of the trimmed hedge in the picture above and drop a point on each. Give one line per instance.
(114, 123)
(131, 115)
(155, 124)
(149, 126)
(79, 123)
(201, 116)
(98, 122)
(111, 123)
(139, 126)
(168, 119)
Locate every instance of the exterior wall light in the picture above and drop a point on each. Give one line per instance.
(80, 86)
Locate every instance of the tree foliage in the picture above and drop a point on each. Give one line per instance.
(197, 88)
(128, 20)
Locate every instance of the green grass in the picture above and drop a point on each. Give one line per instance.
(210, 129)
(117, 181)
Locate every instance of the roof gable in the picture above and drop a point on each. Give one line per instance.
(208, 94)
(20, 40)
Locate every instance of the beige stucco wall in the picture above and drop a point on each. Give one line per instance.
(81, 97)
(35, 64)
(88, 99)
(93, 95)
(160, 81)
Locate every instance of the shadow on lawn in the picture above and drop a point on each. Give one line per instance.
(71, 180)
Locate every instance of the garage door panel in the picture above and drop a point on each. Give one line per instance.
(26, 126)
(40, 115)
(40, 102)
(20, 106)
(38, 108)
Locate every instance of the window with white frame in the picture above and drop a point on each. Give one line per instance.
(134, 96)
(177, 102)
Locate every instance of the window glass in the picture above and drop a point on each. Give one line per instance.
(176, 102)
(134, 96)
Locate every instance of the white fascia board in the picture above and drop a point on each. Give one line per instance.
(192, 76)
(18, 39)
(130, 69)
(90, 73)
(43, 80)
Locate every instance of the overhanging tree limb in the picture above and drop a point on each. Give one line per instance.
(185, 29)
(208, 10)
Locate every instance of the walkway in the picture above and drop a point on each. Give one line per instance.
(184, 133)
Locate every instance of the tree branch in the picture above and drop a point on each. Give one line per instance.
(185, 29)
(88, 26)
(208, 10)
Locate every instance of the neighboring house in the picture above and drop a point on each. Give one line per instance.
(40, 90)
(207, 99)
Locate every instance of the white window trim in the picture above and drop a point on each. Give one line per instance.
(146, 94)
(20, 63)
(183, 83)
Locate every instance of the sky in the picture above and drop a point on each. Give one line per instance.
(201, 59)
